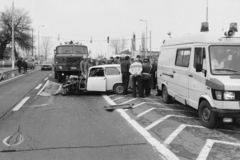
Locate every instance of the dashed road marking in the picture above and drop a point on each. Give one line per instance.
(117, 98)
(208, 146)
(46, 79)
(17, 107)
(165, 153)
(162, 119)
(50, 74)
(38, 86)
(145, 112)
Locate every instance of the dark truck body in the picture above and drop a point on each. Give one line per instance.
(67, 60)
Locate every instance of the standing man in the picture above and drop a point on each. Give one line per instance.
(82, 63)
(88, 64)
(19, 64)
(136, 70)
(146, 76)
(125, 65)
(24, 65)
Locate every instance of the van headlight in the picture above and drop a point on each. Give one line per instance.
(60, 67)
(224, 95)
(229, 95)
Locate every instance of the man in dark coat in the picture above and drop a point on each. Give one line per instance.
(19, 65)
(125, 73)
(24, 65)
(146, 77)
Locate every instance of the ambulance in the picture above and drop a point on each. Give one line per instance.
(203, 71)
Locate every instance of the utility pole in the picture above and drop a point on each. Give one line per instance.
(32, 42)
(150, 43)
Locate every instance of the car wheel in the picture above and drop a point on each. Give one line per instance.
(166, 97)
(118, 89)
(206, 116)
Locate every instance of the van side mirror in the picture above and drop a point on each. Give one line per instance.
(55, 51)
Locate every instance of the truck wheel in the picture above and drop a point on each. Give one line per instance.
(206, 116)
(59, 77)
(166, 97)
(118, 88)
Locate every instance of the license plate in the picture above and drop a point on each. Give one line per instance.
(73, 67)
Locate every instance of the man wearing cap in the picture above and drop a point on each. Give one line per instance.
(136, 70)
(125, 65)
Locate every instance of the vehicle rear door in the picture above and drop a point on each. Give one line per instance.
(96, 79)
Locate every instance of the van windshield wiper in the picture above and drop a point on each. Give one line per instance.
(225, 69)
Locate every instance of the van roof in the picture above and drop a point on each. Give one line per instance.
(203, 37)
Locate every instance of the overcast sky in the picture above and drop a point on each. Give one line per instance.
(79, 20)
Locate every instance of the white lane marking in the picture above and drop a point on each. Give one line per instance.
(38, 86)
(138, 98)
(129, 101)
(46, 79)
(50, 74)
(17, 107)
(165, 153)
(174, 134)
(112, 95)
(117, 98)
(208, 146)
(43, 87)
(145, 112)
(162, 119)
(183, 126)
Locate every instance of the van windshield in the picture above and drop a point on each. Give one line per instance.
(225, 60)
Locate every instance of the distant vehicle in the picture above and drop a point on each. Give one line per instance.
(46, 65)
(67, 59)
(30, 63)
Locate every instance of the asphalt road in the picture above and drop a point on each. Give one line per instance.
(65, 127)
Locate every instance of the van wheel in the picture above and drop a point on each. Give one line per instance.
(166, 97)
(118, 89)
(206, 116)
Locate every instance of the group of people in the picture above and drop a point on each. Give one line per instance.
(21, 63)
(143, 76)
(142, 71)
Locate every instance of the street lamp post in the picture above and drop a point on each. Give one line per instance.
(38, 41)
(146, 38)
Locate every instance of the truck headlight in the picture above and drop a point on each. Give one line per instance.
(60, 67)
(229, 95)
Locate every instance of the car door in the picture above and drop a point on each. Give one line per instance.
(180, 72)
(197, 79)
(96, 79)
(113, 76)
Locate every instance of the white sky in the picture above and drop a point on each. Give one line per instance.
(79, 20)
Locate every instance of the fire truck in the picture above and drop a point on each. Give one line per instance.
(67, 59)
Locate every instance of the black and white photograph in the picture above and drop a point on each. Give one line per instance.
(119, 80)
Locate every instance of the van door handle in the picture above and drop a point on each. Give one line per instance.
(173, 71)
(190, 75)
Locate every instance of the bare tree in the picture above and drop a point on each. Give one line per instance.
(143, 42)
(46, 46)
(123, 44)
(118, 45)
(22, 30)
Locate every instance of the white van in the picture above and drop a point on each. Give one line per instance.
(203, 71)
